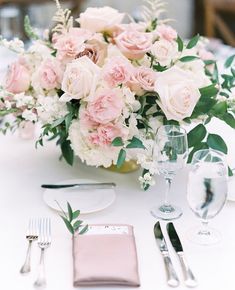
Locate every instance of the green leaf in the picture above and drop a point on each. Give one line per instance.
(229, 61)
(117, 142)
(77, 224)
(84, 230)
(70, 212)
(29, 30)
(196, 135)
(220, 108)
(180, 44)
(57, 122)
(121, 158)
(228, 119)
(76, 214)
(159, 68)
(135, 143)
(209, 91)
(68, 225)
(193, 42)
(209, 61)
(188, 58)
(230, 172)
(67, 152)
(68, 120)
(214, 141)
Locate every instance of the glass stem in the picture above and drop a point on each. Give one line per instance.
(168, 188)
(204, 230)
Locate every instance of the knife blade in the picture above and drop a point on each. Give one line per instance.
(190, 280)
(104, 185)
(172, 278)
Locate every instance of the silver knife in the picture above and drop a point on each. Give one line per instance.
(172, 278)
(190, 280)
(104, 185)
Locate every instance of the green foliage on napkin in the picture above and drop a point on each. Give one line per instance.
(72, 222)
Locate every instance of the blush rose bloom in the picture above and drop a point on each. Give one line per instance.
(166, 32)
(164, 51)
(17, 78)
(100, 19)
(68, 46)
(80, 79)
(142, 80)
(50, 74)
(106, 106)
(178, 93)
(134, 44)
(105, 134)
(117, 71)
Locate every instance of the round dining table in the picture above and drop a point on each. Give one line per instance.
(23, 169)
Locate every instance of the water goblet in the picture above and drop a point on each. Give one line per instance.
(207, 192)
(171, 152)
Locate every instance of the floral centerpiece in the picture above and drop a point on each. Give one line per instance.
(102, 86)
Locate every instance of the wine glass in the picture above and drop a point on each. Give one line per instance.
(207, 192)
(170, 151)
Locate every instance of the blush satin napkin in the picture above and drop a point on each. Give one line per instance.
(106, 255)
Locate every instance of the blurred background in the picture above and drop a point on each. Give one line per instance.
(213, 18)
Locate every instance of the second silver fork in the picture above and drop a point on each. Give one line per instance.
(44, 241)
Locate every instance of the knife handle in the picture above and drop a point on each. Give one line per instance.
(190, 280)
(172, 278)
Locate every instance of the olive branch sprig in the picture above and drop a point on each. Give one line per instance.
(71, 220)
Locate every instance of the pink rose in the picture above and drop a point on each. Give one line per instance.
(100, 19)
(50, 74)
(106, 106)
(166, 32)
(17, 78)
(68, 46)
(106, 133)
(134, 44)
(143, 79)
(178, 93)
(206, 55)
(86, 121)
(117, 71)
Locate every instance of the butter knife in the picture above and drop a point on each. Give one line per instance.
(172, 278)
(190, 280)
(104, 185)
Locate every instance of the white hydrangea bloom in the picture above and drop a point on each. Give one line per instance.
(89, 153)
(49, 108)
(23, 100)
(29, 115)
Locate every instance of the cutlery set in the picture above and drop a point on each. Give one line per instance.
(38, 230)
(172, 278)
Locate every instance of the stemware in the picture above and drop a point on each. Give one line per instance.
(207, 192)
(170, 151)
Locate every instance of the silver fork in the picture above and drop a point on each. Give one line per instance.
(44, 242)
(31, 235)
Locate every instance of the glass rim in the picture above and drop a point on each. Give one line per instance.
(183, 133)
(221, 154)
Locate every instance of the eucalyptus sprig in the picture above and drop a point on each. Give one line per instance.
(71, 220)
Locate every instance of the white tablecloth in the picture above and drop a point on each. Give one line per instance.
(23, 169)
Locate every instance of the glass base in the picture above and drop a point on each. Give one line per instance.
(166, 212)
(205, 237)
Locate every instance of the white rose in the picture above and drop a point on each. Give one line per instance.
(100, 19)
(164, 51)
(80, 79)
(195, 67)
(178, 93)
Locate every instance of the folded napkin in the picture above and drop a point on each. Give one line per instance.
(106, 255)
